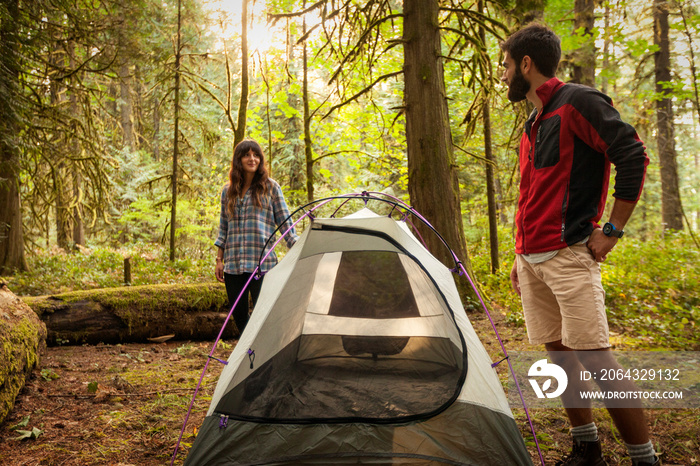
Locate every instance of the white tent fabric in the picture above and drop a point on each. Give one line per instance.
(359, 351)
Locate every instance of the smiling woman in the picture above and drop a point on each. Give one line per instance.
(252, 208)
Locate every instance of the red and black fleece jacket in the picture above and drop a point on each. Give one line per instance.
(565, 156)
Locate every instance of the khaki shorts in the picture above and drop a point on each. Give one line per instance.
(563, 299)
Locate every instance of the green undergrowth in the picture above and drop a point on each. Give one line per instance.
(652, 284)
(57, 271)
(652, 290)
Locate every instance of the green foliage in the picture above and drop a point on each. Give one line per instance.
(56, 271)
(28, 434)
(362, 145)
(653, 290)
(496, 288)
(23, 423)
(48, 374)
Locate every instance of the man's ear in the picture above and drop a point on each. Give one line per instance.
(526, 65)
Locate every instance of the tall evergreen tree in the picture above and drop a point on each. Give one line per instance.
(583, 59)
(11, 234)
(671, 210)
(432, 172)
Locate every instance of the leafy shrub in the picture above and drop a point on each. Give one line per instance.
(653, 289)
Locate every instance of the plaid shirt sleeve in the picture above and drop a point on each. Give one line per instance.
(223, 222)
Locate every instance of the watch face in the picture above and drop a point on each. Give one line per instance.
(607, 229)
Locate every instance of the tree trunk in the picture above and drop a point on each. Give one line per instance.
(138, 106)
(270, 146)
(176, 135)
(11, 234)
(62, 187)
(240, 129)
(22, 340)
(77, 214)
(156, 126)
(308, 150)
(134, 313)
(607, 42)
(583, 58)
(126, 106)
(77, 178)
(293, 129)
(491, 189)
(671, 210)
(64, 228)
(432, 175)
(490, 163)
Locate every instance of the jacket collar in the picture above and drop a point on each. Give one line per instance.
(548, 89)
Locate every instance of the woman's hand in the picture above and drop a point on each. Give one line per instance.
(219, 270)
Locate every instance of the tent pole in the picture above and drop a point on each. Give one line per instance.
(206, 365)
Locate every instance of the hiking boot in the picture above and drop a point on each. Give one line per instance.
(584, 454)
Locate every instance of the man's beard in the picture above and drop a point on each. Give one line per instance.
(519, 87)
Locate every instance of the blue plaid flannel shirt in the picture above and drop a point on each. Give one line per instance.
(243, 237)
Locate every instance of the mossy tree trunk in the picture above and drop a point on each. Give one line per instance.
(22, 339)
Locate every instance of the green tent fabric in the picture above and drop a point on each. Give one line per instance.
(359, 351)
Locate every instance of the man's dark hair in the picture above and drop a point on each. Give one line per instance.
(538, 42)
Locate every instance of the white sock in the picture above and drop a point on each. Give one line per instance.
(643, 453)
(585, 433)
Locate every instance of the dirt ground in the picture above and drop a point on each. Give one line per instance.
(125, 405)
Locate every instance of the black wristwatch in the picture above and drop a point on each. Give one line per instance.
(610, 230)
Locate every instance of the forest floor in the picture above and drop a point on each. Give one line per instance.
(125, 404)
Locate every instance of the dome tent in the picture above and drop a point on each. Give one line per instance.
(359, 351)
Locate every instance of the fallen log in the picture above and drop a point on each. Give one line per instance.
(22, 339)
(134, 314)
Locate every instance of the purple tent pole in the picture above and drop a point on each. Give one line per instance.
(206, 366)
(223, 327)
(488, 314)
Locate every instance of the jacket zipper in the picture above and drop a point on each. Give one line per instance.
(564, 207)
(531, 159)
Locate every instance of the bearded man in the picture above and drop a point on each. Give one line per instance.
(569, 143)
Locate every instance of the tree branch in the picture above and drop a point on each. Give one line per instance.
(362, 92)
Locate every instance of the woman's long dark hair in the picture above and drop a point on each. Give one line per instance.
(259, 187)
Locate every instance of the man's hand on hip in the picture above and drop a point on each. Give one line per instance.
(514, 277)
(600, 245)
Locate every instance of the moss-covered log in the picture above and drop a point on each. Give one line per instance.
(134, 314)
(22, 339)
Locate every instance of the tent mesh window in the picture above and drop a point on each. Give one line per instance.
(380, 358)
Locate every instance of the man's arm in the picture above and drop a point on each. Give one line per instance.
(599, 244)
